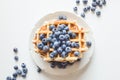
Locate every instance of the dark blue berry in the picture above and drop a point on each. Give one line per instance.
(59, 65)
(61, 17)
(54, 40)
(83, 15)
(57, 33)
(75, 8)
(51, 45)
(63, 46)
(64, 54)
(85, 9)
(73, 44)
(94, 0)
(77, 45)
(61, 37)
(73, 35)
(64, 32)
(19, 72)
(23, 65)
(15, 67)
(15, 75)
(76, 53)
(51, 27)
(77, 1)
(8, 78)
(40, 46)
(70, 33)
(94, 4)
(93, 9)
(100, 5)
(59, 50)
(88, 7)
(53, 64)
(68, 49)
(44, 40)
(66, 28)
(88, 43)
(39, 69)
(45, 48)
(104, 2)
(68, 43)
(13, 78)
(85, 1)
(25, 70)
(16, 58)
(15, 50)
(56, 44)
(23, 75)
(98, 13)
(42, 36)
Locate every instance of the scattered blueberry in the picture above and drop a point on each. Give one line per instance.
(25, 70)
(93, 9)
(67, 37)
(63, 46)
(68, 49)
(15, 75)
(59, 50)
(40, 46)
(66, 28)
(59, 65)
(76, 53)
(62, 17)
(73, 44)
(8, 78)
(79, 59)
(23, 75)
(85, 1)
(73, 35)
(98, 13)
(51, 27)
(64, 32)
(94, 0)
(83, 15)
(19, 72)
(70, 33)
(16, 58)
(68, 43)
(100, 5)
(77, 45)
(61, 37)
(77, 1)
(44, 40)
(45, 48)
(39, 69)
(75, 9)
(53, 64)
(15, 67)
(51, 45)
(23, 65)
(54, 40)
(104, 2)
(15, 50)
(94, 4)
(56, 44)
(63, 54)
(85, 9)
(13, 78)
(88, 7)
(88, 43)
(42, 36)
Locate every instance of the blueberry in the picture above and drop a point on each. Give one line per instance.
(73, 44)
(45, 48)
(39, 69)
(66, 28)
(61, 37)
(52, 55)
(40, 46)
(51, 45)
(13, 78)
(68, 43)
(19, 72)
(42, 36)
(85, 9)
(23, 75)
(67, 37)
(98, 2)
(98, 13)
(63, 42)
(76, 53)
(53, 64)
(23, 65)
(25, 70)
(64, 32)
(88, 43)
(93, 9)
(59, 50)
(85, 1)
(64, 64)
(54, 29)
(77, 1)
(51, 27)
(73, 35)
(70, 33)
(94, 0)
(15, 67)
(100, 5)
(83, 15)
(68, 49)
(57, 33)
(75, 9)
(77, 45)
(88, 7)
(54, 40)
(14, 75)
(16, 58)
(61, 17)
(59, 65)
(56, 44)
(44, 40)
(63, 46)
(94, 4)
(49, 39)
(104, 2)
(61, 27)
(8, 78)
(15, 50)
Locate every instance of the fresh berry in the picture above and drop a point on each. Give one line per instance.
(52, 55)
(64, 64)
(77, 1)
(61, 37)
(23, 75)
(15, 75)
(83, 15)
(19, 72)
(54, 40)
(62, 17)
(94, 4)
(88, 43)
(49, 39)
(98, 13)
(57, 33)
(15, 67)
(67, 37)
(63, 54)
(76, 53)
(44, 40)
(25, 70)
(15, 50)
(104, 2)
(93, 9)
(73, 44)
(23, 65)
(88, 7)
(68, 49)
(73, 35)
(54, 29)
(13, 78)
(68, 43)
(100, 5)
(8, 78)
(51, 27)
(61, 27)
(45, 48)
(42, 36)
(85, 9)
(63, 42)
(63, 46)
(94, 0)
(39, 69)
(56, 44)
(85, 1)
(53, 64)
(51, 45)
(77, 45)
(16, 58)
(70, 33)
(40, 46)
(66, 28)
(59, 50)
(64, 32)
(59, 65)
(75, 9)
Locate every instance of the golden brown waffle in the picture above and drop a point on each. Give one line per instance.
(80, 32)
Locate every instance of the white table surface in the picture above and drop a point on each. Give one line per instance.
(18, 17)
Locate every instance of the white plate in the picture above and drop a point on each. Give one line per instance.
(70, 69)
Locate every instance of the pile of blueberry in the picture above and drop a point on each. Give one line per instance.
(92, 7)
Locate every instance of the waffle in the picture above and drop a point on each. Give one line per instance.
(80, 38)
